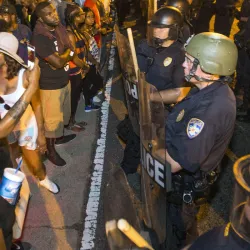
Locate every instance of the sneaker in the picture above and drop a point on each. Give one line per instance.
(92, 107)
(21, 246)
(65, 139)
(51, 186)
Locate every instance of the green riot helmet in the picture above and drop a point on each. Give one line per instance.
(182, 5)
(166, 17)
(240, 214)
(215, 53)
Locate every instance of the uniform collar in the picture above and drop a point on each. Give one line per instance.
(197, 92)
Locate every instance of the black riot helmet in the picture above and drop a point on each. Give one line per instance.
(167, 17)
(182, 5)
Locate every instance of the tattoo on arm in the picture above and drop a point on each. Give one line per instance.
(18, 109)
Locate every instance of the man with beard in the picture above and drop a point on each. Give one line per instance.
(20, 31)
(54, 51)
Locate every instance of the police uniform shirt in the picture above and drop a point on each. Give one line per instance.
(200, 127)
(163, 66)
(220, 238)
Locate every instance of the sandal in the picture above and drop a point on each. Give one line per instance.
(81, 124)
(75, 128)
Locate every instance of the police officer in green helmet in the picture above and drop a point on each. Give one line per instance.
(199, 128)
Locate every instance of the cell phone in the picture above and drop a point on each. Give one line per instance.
(31, 56)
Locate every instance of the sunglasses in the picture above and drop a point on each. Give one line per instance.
(6, 106)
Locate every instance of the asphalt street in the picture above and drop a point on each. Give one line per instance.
(74, 219)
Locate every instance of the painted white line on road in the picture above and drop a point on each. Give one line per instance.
(90, 224)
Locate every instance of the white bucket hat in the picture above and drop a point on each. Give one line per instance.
(9, 46)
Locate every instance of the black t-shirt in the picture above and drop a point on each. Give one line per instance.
(217, 240)
(51, 78)
(199, 128)
(163, 67)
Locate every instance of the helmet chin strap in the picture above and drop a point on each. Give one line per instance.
(158, 42)
(193, 75)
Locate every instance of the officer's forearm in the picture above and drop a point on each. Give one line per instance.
(170, 96)
(186, 247)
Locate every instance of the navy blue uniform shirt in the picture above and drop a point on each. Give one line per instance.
(199, 128)
(163, 67)
(216, 240)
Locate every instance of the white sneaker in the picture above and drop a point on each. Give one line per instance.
(51, 186)
(96, 99)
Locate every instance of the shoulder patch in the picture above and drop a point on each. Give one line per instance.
(167, 61)
(194, 127)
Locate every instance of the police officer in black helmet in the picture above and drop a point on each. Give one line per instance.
(161, 55)
(184, 7)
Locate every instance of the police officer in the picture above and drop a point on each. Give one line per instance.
(200, 127)
(184, 7)
(162, 55)
(236, 234)
(223, 10)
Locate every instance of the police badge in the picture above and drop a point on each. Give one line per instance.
(194, 127)
(180, 116)
(167, 61)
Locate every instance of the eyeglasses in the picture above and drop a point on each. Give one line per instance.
(188, 59)
(6, 106)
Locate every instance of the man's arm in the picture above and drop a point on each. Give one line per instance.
(45, 48)
(171, 96)
(58, 61)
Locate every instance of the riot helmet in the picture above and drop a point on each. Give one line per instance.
(215, 53)
(166, 17)
(181, 5)
(240, 214)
